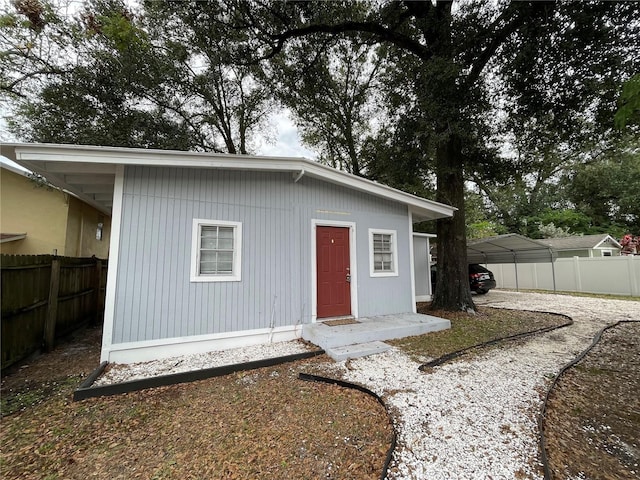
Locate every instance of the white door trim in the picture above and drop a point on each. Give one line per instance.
(352, 264)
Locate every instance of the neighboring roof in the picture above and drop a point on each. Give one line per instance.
(509, 248)
(89, 171)
(580, 242)
(11, 237)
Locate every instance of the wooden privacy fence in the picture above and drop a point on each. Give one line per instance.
(44, 297)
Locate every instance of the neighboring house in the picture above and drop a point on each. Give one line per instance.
(212, 251)
(42, 219)
(602, 245)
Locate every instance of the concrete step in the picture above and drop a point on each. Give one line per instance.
(358, 350)
(372, 329)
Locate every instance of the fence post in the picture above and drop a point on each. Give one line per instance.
(634, 286)
(98, 291)
(52, 307)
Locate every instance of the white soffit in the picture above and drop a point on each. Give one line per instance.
(89, 171)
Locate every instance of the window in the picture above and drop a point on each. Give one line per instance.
(607, 253)
(216, 251)
(383, 253)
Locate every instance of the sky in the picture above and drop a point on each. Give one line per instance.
(286, 144)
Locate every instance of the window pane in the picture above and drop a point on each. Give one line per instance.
(383, 252)
(381, 242)
(208, 262)
(225, 256)
(209, 243)
(225, 243)
(225, 267)
(216, 250)
(209, 231)
(383, 262)
(225, 232)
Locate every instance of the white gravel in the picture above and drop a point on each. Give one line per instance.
(474, 418)
(187, 363)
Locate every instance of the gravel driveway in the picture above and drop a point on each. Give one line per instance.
(475, 418)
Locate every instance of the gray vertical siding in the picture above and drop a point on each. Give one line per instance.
(421, 267)
(155, 298)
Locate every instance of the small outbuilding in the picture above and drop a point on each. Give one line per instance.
(212, 251)
(591, 246)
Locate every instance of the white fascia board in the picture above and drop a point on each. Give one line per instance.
(149, 157)
(608, 237)
(25, 154)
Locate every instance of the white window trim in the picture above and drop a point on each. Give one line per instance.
(195, 251)
(394, 243)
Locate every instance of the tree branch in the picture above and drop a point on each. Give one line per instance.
(383, 34)
(514, 22)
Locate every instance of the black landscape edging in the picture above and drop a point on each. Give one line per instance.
(541, 440)
(93, 376)
(87, 391)
(450, 356)
(341, 383)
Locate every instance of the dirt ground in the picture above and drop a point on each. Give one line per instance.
(268, 424)
(593, 416)
(263, 423)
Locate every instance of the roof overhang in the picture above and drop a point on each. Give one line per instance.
(89, 171)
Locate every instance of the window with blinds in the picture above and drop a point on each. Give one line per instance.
(216, 255)
(383, 253)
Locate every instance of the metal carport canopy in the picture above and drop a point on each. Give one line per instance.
(510, 248)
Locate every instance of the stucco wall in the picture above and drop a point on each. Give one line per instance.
(40, 212)
(54, 221)
(82, 225)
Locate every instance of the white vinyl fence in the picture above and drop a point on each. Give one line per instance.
(611, 275)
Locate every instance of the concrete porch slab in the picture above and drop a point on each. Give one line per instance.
(372, 329)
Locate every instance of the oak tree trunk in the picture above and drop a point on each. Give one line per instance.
(452, 281)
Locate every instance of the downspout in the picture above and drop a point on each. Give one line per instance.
(428, 257)
(298, 176)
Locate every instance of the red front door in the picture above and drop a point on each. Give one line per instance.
(332, 260)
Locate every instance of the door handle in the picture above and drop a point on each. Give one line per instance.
(349, 278)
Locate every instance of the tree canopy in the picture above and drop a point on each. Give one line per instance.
(508, 103)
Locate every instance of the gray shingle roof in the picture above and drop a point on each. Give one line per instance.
(575, 243)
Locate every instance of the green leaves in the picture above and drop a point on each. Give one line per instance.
(629, 104)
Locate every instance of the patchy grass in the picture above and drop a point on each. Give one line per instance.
(468, 330)
(32, 393)
(268, 424)
(259, 424)
(593, 413)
